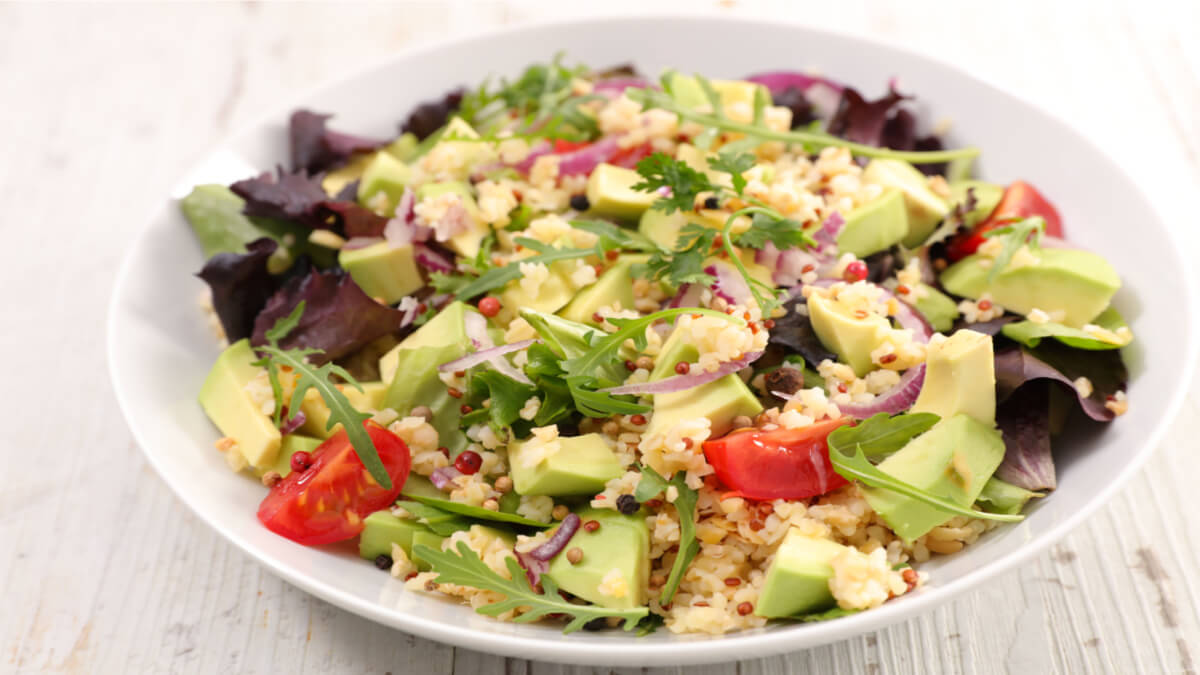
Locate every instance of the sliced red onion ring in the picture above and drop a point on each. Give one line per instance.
(791, 264)
(830, 229)
(688, 295)
(537, 150)
(585, 159)
(354, 243)
(683, 382)
(729, 284)
(441, 477)
(537, 561)
(779, 80)
(899, 398)
(617, 85)
(431, 259)
(475, 327)
(290, 425)
(487, 355)
(534, 568)
(402, 229)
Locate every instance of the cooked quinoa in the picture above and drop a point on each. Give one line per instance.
(677, 352)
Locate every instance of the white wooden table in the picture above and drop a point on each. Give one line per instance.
(103, 570)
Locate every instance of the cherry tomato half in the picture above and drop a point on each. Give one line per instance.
(779, 464)
(1020, 200)
(327, 501)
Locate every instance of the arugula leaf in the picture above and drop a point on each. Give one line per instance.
(849, 459)
(320, 378)
(507, 396)
(468, 511)
(466, 569)
(827, 615)
(498, 276)
(685, 504)
(614, 237)
(599, 404)
(734, 164)
(1030, 334)
(1015, 236)
(685, 184)
(649, 624)
(881, 434)
(447, 283)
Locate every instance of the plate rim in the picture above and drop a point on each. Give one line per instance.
(710, 649)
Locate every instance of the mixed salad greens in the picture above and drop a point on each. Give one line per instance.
(534, 345)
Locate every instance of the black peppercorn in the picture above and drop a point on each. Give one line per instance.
(580, 203)
(627, 505)
(383, 561)
(711, 203)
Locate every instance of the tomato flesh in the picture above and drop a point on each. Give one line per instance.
(779, 464)
(328, 501)
(1020, 200)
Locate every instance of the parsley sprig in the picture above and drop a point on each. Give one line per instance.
(464, 568)
(716, 122)
(319, 378)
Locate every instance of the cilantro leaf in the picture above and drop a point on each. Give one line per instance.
(466, 569)
(849, 459)
(685, 184)
(785, 233)
(320, 378)
(734, 164)
(684, 264)
(685, 504)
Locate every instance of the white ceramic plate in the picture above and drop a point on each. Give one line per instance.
(160, 347)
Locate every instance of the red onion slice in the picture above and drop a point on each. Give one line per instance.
(895, 400)
(441, 477)
(537, 150)
(829, 231)
(585, 159)
(537, 561)
(683, 382)
(354, 243)
(534, 568)
(296, 421)
(688, 295)
(487, 355)
(729, 284)
(431, 259)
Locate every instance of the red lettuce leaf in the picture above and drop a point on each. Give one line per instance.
(355, 220)
(1060, 363)
(882, 123)
(432, 115)
(794, 332)
(315, 148)
(299, 198)
(338, 319)
(241, 286)
(1025, 423)
(793, 99)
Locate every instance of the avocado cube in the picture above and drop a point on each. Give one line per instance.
(549, 297)
(612, 287)
(227, 403)
(621, 543)
(433, 541)
(987, 197)
(925, 208)
(937, 307)
(292, 443)
(580, 466)
(339, 178)
(720, 400)
(387, 174)
(446, 327)
(874, 226)
(959, 378)
(383, 271)
(610, 192)
(382, 529)
(797, 581)
(953, 460)
(316, 413)
(851, 337)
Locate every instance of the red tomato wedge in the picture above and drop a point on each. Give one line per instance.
(328, 501)
(779, 464)
(562, 146)
(1020, 200)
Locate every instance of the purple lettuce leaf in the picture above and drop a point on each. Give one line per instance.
(793, 99)
(338, 319)
(432, 115)
(1060, 363)
(986, 327)
(794, 332)
(241, 286)
(299, 198)
(863, 121)
(1024, 422)
(316, 148)
(355, 220)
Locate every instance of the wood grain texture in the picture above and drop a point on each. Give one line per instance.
(103, 570)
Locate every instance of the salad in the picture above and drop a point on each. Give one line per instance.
(585, 348)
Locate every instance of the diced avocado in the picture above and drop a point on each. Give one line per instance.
(798, 579)
(937, 307)
(446, 327)
(959, 378)
(875, 226)
(851, 337)
(925, 209)
(384, 174)
(382, 529)
(383, 271)
(403, 148)
(663, 228)
(467, 242)
(227, 403)
(215, 214)
(580, 466)
(337, 179)
(610, 192)
(621, 543)
(953, 460)
(291, 444)
(686, 90)
(987, 196)
(550, 296)
(693, 157)
(1001, 497)
(720, 400)
(316, 413)
(1076, 285)
(614, 286)
(433, 541)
